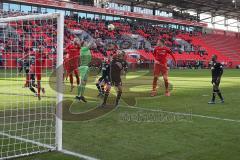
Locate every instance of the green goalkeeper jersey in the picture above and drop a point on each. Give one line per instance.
(86, 56)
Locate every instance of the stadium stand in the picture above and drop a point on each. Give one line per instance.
(187, 46)
(226, 46)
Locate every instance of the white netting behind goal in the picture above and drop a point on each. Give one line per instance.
(28, 56)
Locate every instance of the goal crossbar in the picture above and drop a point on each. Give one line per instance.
(30, 17)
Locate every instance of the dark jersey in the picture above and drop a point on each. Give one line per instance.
(217, 69)
(125, 65)
(115, 72)
(105, 70)
(24, 64)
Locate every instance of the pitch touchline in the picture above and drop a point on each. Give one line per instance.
(48, 146)
(185, 114)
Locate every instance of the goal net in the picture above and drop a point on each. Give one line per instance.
(31, 48)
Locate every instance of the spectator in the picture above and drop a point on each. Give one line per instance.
(1, 59)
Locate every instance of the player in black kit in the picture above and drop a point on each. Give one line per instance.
(117, 65)
(217, 71)
(28, 66)
(24, 65)
(105, 78)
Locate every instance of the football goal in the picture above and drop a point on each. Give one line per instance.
(31, 48)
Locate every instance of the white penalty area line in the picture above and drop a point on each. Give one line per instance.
(186, 114)
(47, 146)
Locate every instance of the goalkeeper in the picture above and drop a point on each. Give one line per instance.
(85, 59)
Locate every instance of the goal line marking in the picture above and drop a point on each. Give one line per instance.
(46, 146)
(78, 155)
(27, 140)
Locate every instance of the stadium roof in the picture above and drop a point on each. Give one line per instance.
(218, 7)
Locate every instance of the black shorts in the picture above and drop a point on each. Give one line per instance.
(32, 80)
(104, 79)
(116, 82)
(216, 81)
(26, 70)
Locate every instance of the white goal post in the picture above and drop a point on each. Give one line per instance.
(25, 126)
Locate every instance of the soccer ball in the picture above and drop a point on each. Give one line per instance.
(111, 27)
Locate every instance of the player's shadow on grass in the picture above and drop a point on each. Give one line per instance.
(90, 114)
(133, 89)
(140, 87)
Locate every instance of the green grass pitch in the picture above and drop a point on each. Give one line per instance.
(151, 128)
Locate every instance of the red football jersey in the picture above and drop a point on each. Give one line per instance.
(160, 54)
(73, 51)
(73, 55)
(40, 59)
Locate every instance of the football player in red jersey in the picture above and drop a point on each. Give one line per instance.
(72, 61)
(66, 67)
(40, 58)
(36, 68)
(160, 54)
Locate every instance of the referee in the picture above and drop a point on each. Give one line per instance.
(217, 72)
